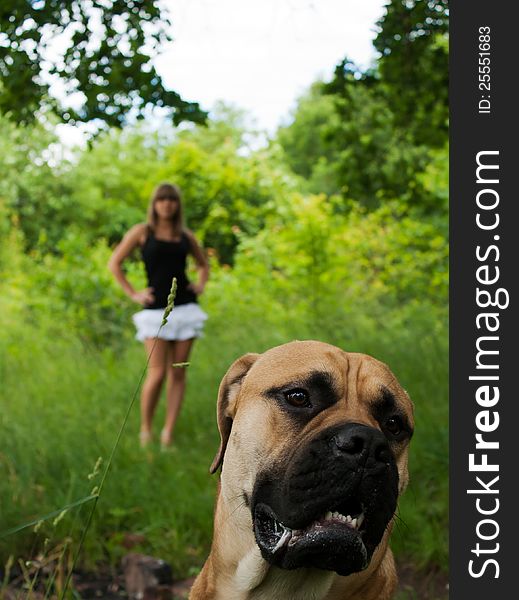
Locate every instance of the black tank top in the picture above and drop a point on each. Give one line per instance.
(164, 260)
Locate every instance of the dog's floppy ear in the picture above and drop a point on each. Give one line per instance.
(227, 393)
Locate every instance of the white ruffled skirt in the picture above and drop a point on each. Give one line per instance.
(184, 322)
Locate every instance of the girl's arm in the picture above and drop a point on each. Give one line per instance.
(132, 239)
(202, 264)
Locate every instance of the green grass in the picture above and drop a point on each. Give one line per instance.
(62, 405)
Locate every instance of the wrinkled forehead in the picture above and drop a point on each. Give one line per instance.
(352, 375)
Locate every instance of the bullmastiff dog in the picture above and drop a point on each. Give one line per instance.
(313, 452)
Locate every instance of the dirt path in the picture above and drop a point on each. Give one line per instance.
(414, 585)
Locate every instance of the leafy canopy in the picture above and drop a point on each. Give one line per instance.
(98, 53)
(367, 133)
(413, 43)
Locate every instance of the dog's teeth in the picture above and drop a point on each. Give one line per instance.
(355, 523)
(287, 534)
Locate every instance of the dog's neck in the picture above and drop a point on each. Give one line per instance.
(261, 581)
(248, 575)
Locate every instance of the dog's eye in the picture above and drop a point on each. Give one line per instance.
(393, 425)
(298, 398)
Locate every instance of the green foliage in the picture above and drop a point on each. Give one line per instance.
(413, 44)
(377, 160)
(344, 139)
(47, 466)
(31, 190)
(106, 189)
(79, 398)
(228, 126)
(366, 135)
(106, 63)
(108, 183)
(224, 191)
(320, 260)
(435, 181)
(307, 147)
(81, 287)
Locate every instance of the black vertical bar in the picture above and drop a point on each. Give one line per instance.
(483, 120)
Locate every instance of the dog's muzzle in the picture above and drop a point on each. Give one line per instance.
(327, 506)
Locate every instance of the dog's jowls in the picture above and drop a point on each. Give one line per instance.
(314, 457)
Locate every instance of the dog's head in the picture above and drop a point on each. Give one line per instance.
(314, 442)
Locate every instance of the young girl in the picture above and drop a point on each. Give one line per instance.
(165, 244)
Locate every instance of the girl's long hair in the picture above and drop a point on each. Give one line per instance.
(166, 190)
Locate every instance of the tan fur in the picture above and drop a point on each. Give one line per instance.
(255, 435)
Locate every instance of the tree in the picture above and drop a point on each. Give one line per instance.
(392, 115)
(413, 44)
(412, 73)
(344, 141)
(106, 65)
(307, 148)
(378, 160)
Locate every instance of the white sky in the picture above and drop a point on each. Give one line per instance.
(259, 55)
(262, 54)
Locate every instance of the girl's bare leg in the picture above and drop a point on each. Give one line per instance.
(152, 384)
(178, 352)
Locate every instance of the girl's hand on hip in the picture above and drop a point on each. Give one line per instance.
(143, 297)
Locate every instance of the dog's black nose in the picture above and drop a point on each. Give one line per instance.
(359, 442)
